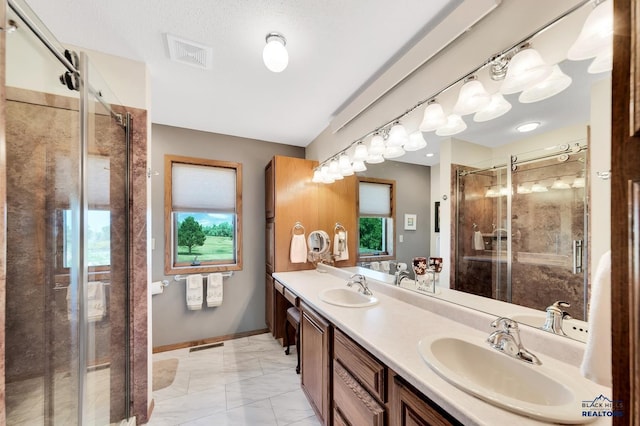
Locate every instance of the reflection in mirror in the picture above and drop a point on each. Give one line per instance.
(522, 235)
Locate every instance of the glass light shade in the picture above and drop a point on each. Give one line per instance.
(552, 85)
(596, 34)
(375, 159)
(398, 135)
(393, 152)
(602, 63)
(497, 107)
(334, 167)
(360, 153)
(327, 177)
(560, 184)
(472, 97)
(274, 54)
(433, 117)
(522, 189)
(578, 182)
(317, 176)
(492, 193)
(525, 69)
(345, 165)
(376, 147)
(416, 141)
(358, 166)
(455, 124)
(504, 191)
(537, 187)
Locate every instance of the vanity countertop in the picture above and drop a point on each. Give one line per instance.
(391, 330)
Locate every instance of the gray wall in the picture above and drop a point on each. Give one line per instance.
(243, 306)
(413, 196)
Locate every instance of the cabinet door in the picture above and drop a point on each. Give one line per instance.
(269, 191)
(408, 408)
(268, 305)
(270, 246)
(315, 359)
(353, 402)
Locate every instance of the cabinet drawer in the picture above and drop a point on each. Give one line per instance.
(364, 367)
(353, 402)
(278, 287)
(292, 298)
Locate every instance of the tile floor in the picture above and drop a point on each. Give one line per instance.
(248, 381)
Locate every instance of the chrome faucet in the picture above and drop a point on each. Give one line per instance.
(400, 275)
(555, 315)
(507, 340)
(362, 281)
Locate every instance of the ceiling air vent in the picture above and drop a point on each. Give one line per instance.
(189, 52)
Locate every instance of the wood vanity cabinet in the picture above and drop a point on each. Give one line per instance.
(359, 384)
(408, 407)
(315, 354)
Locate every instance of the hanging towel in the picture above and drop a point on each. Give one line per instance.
(96, 301)
(194, 292)
(478, 241)
(214, 290)
(340, 247)
(384, 266)
(298, 253)
(596, 364)
(375, 266)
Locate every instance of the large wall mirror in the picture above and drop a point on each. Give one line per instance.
(527, 212)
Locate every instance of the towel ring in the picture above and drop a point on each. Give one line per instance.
(338, 228)
(298, 227)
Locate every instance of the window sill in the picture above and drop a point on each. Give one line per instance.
(203, 269)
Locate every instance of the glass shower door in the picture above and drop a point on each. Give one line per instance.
(548, 232)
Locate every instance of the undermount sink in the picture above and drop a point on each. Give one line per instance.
(531, 390)
(572, 328)
(347, 297)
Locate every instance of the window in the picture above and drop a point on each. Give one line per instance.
(203, 215)
(376, 205)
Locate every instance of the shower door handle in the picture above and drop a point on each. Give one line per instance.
(577, 256)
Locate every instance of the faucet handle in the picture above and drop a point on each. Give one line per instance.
(506, 323)
(559, 305)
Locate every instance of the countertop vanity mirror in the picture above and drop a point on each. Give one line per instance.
(527, 214)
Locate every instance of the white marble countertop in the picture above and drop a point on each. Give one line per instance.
(391, 330)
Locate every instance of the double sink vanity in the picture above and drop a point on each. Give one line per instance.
(398, 357)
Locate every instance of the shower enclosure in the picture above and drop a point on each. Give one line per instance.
(521, 229)
(67, 281)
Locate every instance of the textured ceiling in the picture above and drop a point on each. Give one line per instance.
(335, 48)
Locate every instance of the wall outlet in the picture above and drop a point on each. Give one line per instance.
(401, 238)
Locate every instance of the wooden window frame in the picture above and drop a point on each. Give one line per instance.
(392, 183)
(169, 267)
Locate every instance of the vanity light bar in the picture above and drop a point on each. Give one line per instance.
(489, 61)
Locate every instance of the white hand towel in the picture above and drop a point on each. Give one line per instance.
(298, 253)
(384, 265)
(340, 247)
(375, 266)
(214, 290)
(194, 292)
(478, 242)
(596, 364)
(96, 301)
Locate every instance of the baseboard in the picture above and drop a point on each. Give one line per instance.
(207, 341)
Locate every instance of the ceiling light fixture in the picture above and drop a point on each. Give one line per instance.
(416, 141)
(528, 127)
(376, 146)
(429, 154)
(398, 135)
(361, 153)
(602, 63)
(274, 54)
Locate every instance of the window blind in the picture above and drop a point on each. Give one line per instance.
(375, 199)
(202, 188)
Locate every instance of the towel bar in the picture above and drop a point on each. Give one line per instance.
(184, 277)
